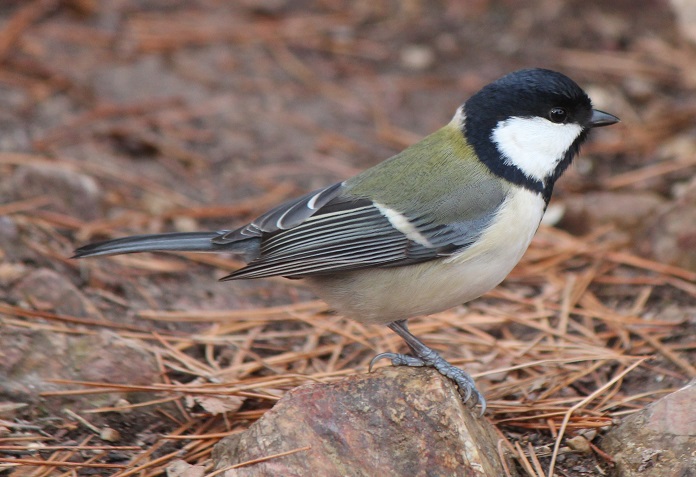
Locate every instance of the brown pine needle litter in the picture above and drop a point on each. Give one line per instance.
(558, 350)
(574, 339)
(549, 352)
(583, 331)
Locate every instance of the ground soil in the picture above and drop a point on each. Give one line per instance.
(140, 116)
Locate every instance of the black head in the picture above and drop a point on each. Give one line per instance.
(527, 126)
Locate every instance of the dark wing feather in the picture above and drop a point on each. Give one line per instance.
(285, 216)
(353, 237)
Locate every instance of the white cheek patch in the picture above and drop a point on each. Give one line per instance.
(534, 145)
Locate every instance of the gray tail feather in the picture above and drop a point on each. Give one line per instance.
(172, 242)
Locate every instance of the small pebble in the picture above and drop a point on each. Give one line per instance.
(417, 57)
(109, 435)
(579, 444)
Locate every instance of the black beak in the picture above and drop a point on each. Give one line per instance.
(600, 118)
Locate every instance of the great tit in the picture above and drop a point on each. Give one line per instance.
(437, 225)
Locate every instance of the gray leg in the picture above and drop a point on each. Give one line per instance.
(425, 356)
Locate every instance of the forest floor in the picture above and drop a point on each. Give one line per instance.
(142, 116)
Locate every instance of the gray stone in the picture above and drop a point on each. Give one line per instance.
(670, 237)
(71, 192)
(32, 358)
(625, 210)
(659, 441)
(49, 290)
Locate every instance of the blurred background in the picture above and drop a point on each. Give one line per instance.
(141, 116)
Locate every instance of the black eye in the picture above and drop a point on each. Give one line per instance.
(558, 115)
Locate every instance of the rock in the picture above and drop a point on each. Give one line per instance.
(10, 273)
(71, 192)
(579, 444)
(11, 244)
(181, 468)
(31, 358)
(417, 57)
(396, 421)
(685, 13)
(659, 441)
(626, 210)
(109, 435)
(670, 237)
(50, 291)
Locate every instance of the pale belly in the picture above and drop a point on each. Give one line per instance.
(388, 294)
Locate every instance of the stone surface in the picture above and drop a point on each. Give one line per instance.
(685, 14)
(395, 421)
(659, 441)
(625, 210)
(671, 236)
(48, 290)
(71, 192)
(31, 358)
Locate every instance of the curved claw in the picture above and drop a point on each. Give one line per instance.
(389, 356)
(398, 359)
(472, 392)
(482, 402)
(466, 387)
(467, 396)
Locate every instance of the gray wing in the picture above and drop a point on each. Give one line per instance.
(285, 216)
(329, 231)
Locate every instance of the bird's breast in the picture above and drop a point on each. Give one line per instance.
(509, 234)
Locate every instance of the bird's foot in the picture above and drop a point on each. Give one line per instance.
(430, 358)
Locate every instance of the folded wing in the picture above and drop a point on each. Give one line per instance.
(329, 231)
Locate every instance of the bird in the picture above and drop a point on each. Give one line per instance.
(434, 226)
